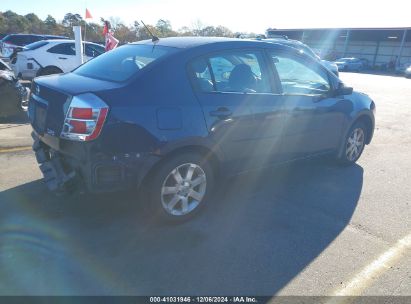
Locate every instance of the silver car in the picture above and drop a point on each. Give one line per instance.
(349, 64)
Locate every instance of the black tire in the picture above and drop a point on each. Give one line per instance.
(49, 71)
(156, 200)
(346, 158)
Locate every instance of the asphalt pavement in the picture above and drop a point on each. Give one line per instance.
(311, 228)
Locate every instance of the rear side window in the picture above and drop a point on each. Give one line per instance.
(237, 71)
(124, 62)
(63, 49)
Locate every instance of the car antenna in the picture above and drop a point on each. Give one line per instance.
(153, 37)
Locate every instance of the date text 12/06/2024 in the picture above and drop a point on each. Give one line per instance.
(199, 299)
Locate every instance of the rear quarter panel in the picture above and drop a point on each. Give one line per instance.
(157, 112)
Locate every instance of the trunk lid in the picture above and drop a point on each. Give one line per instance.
(51, 95)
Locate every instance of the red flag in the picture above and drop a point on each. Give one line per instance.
(88, 14)
(111, 42)
(106, 28)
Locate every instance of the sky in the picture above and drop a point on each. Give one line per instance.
(239, 16)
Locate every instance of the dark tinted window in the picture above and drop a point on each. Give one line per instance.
(93, 50)
(237, 71)
(124, 62)
(63, 49)
(19, 40)
(35, 38)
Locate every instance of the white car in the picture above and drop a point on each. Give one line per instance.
(51, 57)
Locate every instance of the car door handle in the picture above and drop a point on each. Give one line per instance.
(64, 58)
(221, 113)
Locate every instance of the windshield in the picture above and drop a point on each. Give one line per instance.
(308, 51)
(122, 63)
(35, 45)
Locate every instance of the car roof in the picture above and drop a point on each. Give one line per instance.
(191, 42)
(36, 35)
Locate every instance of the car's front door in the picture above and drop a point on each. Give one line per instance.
(234, 90)
(63, 56)
(312, 118)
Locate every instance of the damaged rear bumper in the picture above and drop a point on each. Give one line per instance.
(95, 173)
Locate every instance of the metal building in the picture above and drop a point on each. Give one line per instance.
(379, 46)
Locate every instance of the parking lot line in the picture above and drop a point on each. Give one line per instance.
(372, 271)
(15, 149)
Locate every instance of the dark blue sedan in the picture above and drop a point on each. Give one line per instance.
(172, 116)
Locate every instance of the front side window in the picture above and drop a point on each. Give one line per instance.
(299, 77)
(237, 71)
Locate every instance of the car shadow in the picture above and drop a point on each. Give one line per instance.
(258, 232)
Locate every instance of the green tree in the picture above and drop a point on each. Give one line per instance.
(3, 24)
(37, 26)
(124, 34)
(50, 21)
(70, 19)
(16, 23)
(185, 31)
(163, 28)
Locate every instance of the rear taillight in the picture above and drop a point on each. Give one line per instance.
(85, 118)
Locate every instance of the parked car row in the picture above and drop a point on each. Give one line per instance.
(15, 41)
(175, 115)
(350, 64)
(33, 55)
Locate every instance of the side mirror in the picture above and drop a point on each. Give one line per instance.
(343, 90)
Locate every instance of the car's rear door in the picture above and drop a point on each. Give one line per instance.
(312, 117)
(233, 89)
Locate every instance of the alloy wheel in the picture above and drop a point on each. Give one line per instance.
(355, 144)
(183, 189)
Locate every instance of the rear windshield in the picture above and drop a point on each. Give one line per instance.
(124, 62)
(35, 45)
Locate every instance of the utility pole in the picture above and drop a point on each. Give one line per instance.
(78, 44)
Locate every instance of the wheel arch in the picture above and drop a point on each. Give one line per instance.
(369, 123)
(48, 67)
(209, 155)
